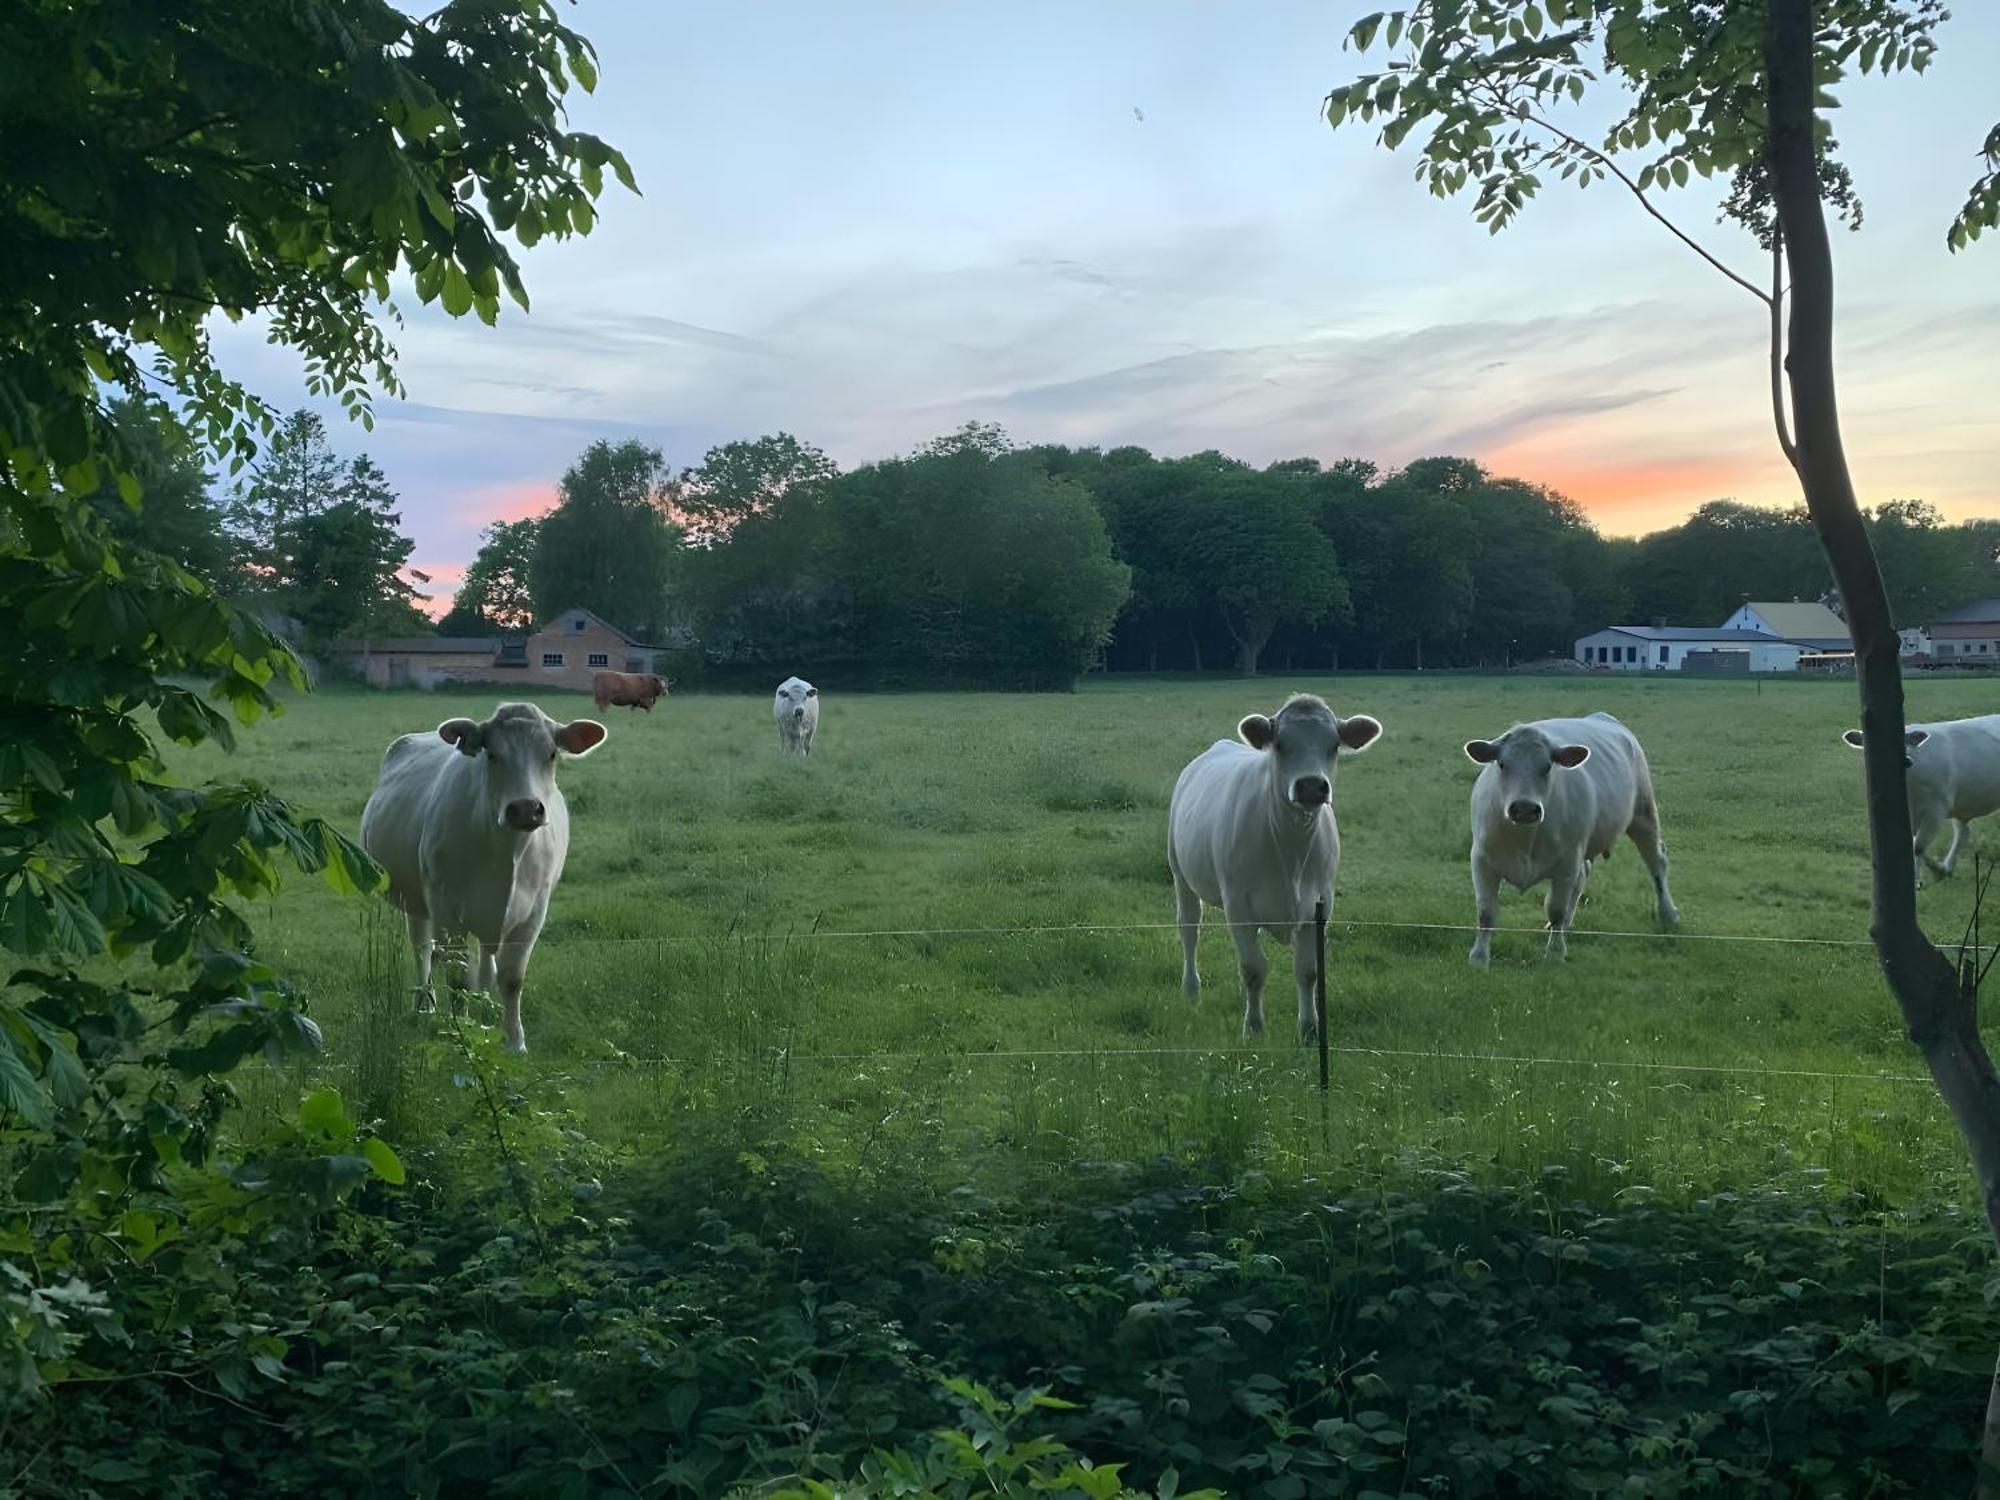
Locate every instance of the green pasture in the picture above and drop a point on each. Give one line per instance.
(694, 970)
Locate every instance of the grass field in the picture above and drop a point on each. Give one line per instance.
(691, 968)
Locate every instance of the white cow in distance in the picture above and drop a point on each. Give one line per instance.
(1551, 797)
(472, 830)
(1952, 776)
(796, 708)
(1251, 830)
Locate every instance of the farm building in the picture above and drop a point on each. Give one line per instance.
(563, 653)
(1811, 625)
(1667, 648)
(1970, 634)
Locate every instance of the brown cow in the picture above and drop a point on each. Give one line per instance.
(627, 689)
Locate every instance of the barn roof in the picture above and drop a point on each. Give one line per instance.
(1797, 621)
(1979, 612)
(412, 645)
(1695, 633)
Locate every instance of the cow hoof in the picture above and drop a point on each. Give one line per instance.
(426, 1003)
(1671, 917)
(1192, 989)
(1479, 960)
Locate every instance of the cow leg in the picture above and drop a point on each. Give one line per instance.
(1564, 888)
(1652, 846)
(1187, 913)
(422, 942)
(1960, 832)
(1305, 964)
(483, 980)
(1486, 901)
(1930, 821)
(1252, 964)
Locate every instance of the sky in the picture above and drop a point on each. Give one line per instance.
(1108, 223)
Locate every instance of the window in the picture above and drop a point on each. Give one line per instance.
(576, 622)
(1632, 653)
(552, 658)
(599, 659)
(1663, 656)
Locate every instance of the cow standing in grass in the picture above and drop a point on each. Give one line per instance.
(627, 690)
(1952, 776)
(1551, 797)
(796, 708)
(1251, 830)
(472, 830)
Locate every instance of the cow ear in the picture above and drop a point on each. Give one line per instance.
(812, 692)
(1256, 732)
(1483, 751)
(1570, 756)
(580, 736)
(1853, 737)
(1916, 737)
(463, 733)
(1359, 732)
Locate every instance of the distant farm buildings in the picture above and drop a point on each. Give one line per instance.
(1768, 637)
(560, 654)
(1969, 636)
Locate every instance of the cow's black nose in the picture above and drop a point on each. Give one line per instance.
(1524, 812)
(1311, 791)
(526, 814)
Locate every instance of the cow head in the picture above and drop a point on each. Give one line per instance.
(1911, 739)
(1526, 759)
(517, 751)
(793, 698)
(1301, 741)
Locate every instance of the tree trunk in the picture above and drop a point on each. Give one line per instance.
(1194, 643)
(1936, 1008)
(1250, 640)
(1420, 653)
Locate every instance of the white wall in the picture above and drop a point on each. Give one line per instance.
(1747, 618)
(1778, 656)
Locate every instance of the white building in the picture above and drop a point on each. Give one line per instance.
(1813, 626)
(1665, 648)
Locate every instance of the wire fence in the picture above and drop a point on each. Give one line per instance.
(817, 934)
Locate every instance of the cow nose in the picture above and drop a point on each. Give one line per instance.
(1524, 812)
(1311, 791)
(526, 814)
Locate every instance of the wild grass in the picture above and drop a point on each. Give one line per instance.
(694, 979)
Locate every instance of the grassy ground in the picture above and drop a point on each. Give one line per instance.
(688, 971)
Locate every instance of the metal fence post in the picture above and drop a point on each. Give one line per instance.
(1319, 985)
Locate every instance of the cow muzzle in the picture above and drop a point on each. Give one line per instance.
(1311, 791)
(524, 814)
(798, 714)
(1524, 812)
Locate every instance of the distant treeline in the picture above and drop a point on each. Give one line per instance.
(976, 563)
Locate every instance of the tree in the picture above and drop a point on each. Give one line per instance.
(175, 516)
(169, 164)
(493, 595)
(1738, 89)
(739, 480)
(298, 475)
(340, 572)
(609, 544)
(1264, 561)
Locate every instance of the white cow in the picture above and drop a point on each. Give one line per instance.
(1953, 776)
(1553, 796)
(473, 831)
(1251, 830)
(796, 708)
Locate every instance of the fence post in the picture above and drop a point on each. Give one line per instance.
(1319, 985)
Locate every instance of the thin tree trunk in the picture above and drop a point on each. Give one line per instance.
(1194, 643)
(1936, 1009)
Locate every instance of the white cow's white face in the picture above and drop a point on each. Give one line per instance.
(517, 750)
(1302, 740)
(793, 698)
(1526, 759)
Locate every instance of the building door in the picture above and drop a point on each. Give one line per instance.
(399, 671)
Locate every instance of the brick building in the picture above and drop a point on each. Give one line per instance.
(560, 654)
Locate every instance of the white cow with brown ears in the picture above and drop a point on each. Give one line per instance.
(1551, 797)
(472, 829)
(1251, 830)
(1952, 775)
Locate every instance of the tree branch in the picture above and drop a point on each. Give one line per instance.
(1520, 111)
(1777, 301)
